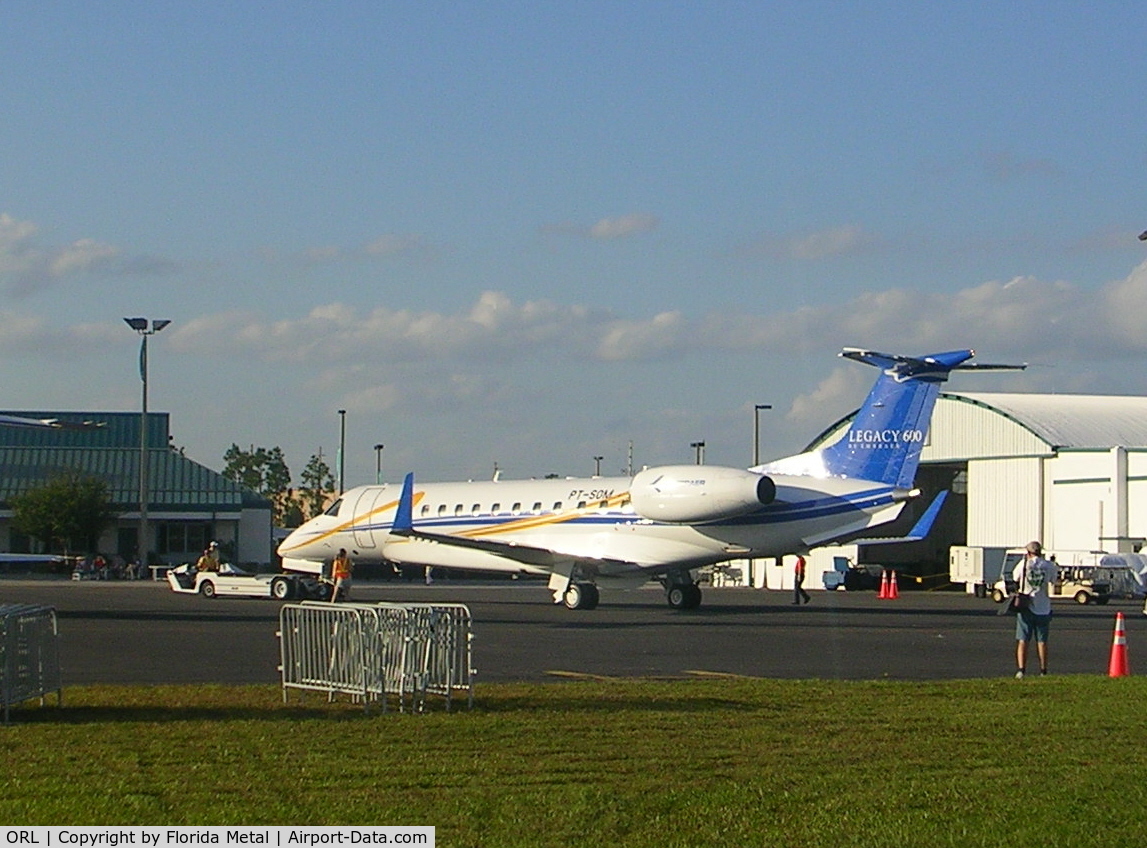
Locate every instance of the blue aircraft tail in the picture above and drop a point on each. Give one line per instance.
(887, 436)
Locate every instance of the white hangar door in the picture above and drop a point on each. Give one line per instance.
(1005, 502)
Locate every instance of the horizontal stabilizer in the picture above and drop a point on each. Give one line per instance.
(920, 529)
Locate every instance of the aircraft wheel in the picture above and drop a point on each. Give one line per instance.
(592, 596)
(692, 597)
(581, 596)
(677, 595)
(281, 589)
(572, 596)
(207, 589)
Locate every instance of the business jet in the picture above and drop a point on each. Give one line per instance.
(663, 523)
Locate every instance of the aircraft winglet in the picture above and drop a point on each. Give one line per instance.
(404, 514)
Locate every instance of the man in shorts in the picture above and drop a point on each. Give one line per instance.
(342, 570)
(1034, 575)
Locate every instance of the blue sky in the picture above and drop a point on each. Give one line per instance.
(528, 233)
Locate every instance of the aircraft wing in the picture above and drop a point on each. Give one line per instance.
(33, 558)
(49, 423)
(542, 558)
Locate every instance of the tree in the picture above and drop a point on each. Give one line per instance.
(263, 471)
(317, 484)
(70, 512)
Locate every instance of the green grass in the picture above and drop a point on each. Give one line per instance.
(1058, 761)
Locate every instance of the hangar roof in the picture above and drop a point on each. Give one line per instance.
(1071, 421)
(30, 457)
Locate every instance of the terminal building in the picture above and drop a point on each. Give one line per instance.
(188, 504)
(1068, 470)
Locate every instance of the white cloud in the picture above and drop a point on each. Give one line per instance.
(32, 336)
(623, 227)
(1004, 166)
(845, 240)
(386, 246)
(26, 266)
(607, 229)
(1022, 318)
(837, 393)
(395, 244)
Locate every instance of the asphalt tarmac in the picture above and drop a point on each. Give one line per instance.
(141, 632)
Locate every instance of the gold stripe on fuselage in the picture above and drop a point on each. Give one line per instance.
(527, 523)
(349, 525)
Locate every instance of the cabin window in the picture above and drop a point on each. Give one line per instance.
(495, 508)
(557, 506)
(458, 509)
(333, 509)
(537, 507)
(441, 510)
(425, 510)
(476, 509)
(581, 504)
(516, 509)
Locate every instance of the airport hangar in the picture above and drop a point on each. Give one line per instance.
(188, 504)
(1068, 470)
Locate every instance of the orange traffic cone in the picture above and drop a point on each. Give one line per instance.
(883, 593)
(893, 587)
(1117, 665)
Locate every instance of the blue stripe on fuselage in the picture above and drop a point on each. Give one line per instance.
(776, 513)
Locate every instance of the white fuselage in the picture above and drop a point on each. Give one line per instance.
(588, 519)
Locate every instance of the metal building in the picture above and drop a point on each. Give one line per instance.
(188, 503)
(1069, 470)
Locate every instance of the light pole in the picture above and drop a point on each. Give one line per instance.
(342, 449)
(145, 329)
(699, 447)
(378, 464)
(757, 407)
(597, 465)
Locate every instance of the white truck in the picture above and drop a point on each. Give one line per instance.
(230, 581)
(978, 568)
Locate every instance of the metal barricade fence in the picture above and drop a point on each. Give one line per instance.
(29, 655)
(439, 639)
(371, 652)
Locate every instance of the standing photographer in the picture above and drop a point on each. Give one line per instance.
(1033, 575)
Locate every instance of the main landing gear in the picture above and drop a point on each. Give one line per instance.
(581, 596)
(682, 592)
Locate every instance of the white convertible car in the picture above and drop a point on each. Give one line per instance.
(232, 581)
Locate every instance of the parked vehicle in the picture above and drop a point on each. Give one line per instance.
(234, 582)
(1084, 584)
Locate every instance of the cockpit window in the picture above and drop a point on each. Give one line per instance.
(333, 509)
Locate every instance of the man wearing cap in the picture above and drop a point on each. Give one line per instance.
(1034, 575)
(210, 559)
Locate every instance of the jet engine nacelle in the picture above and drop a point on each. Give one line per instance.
(694, 494)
